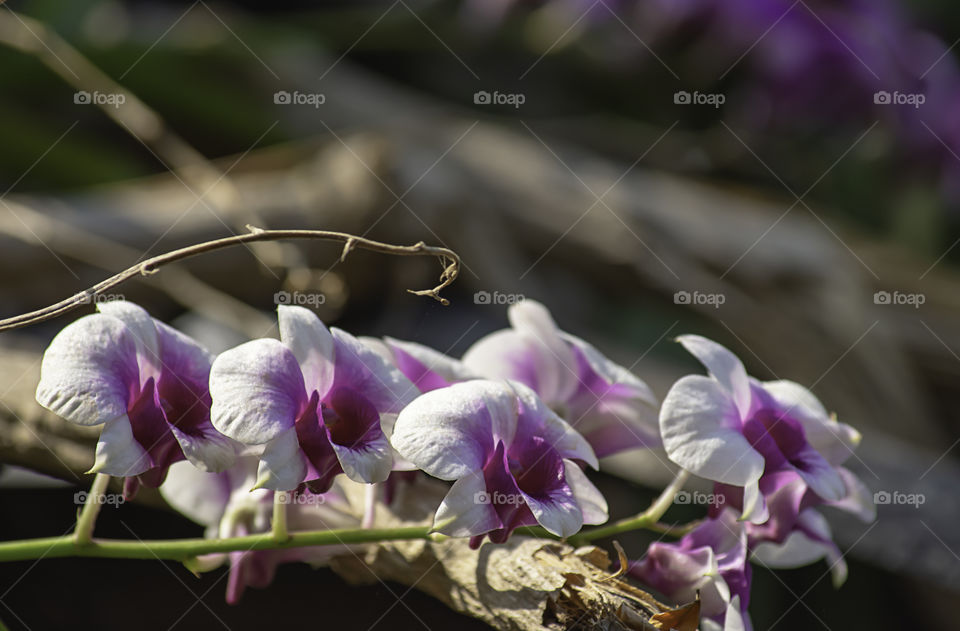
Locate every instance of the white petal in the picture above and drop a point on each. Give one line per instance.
(88, 370)
(755, 508)
(370, 463)
(312, 344)
(696, 421)
(449, 432)
(212, 452)
(282, 464)
(466, 511)
(142, 327)
(200, 496)
(558, 515)
(257, 391)
(591, 501)
(532, 319)
(723, 365)
(734, 620)
(118, 452)
(858, 499)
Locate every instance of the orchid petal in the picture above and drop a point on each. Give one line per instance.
(144, 331)
(206, 448)
(361, 368)
(592, 503)
(558, 512)
(835, 441)
(450, 433)
(89, 370)
(695, 422)
(118, 452)
(426, 368)
(466, 510)
(723, 365)
(311, 343)
(533, 320)
(537, 419)
(282, 464)
(257, 390)
(200, 496)
(858, 499)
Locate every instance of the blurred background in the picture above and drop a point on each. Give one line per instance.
(781, 176)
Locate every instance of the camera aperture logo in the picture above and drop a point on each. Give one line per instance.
(714, 99)
(307, 298)
(104, 499)
(499, 499)
(699, 298)
(496, 298)
(83, 97)
(315, 99)
(700, 499)
(482, 97)
(914, 99)
(899, 298)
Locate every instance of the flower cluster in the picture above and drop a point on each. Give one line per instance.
(513, 425)
(774, 455)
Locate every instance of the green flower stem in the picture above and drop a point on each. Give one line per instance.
(279, 524)
(87, 519)
(646, 520)
(183, 549)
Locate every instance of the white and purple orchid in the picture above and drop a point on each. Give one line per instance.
(711, 560)
(317, 401)
(513, 461)
(145, 383)
(740, 432)
(611, 407)
(224, 503)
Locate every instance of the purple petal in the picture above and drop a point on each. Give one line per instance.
(536, 419)
(425, 367)
(353, 425)
(363, 369)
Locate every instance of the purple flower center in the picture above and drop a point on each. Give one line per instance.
(778, 437)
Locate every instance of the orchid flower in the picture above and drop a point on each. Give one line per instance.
(737, 431)
(224, 504)
(613, 409)
(427, 368)
(317, 401)
(712, 559)
(145, 383)
(513, 461)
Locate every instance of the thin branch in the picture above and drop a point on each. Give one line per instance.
(449, 259)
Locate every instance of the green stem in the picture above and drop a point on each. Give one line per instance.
(646, 519)
(183, 549)
(279, 524)
(87, 519)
